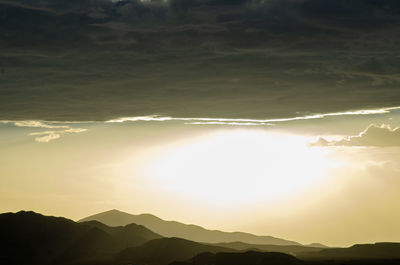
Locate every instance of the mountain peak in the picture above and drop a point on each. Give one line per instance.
(187, 231)
(113, 211)
(317, 245)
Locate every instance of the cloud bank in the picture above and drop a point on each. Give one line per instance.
(196, 58)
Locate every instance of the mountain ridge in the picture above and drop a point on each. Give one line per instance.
(187, 231)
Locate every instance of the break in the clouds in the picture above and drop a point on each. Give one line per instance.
(375, 135)
(100, 60)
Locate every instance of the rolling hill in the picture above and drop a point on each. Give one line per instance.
(176, 229)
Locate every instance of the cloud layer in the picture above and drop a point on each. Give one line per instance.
(100, 60)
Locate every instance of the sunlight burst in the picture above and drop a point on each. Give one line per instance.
(240, 166)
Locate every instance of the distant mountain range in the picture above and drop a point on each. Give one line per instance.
(28, 238)
(176, 229)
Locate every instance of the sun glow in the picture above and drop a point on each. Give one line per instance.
(241, 166)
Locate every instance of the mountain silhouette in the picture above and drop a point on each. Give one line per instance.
(95, 246)
(164, 251)
(34, 239)
(246, 258)
(317, 245)
(31, 238)
(130, 235)
(176, 229)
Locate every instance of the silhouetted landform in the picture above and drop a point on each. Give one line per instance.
(274, 258)
(317, 245)
(31, 238)
(164, 251)
(34, 239)
(246, 258)
(176, 229)
(357, 252)
(293, 250)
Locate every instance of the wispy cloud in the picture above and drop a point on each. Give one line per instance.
(38, 124)
(250, 122)
(75, 130)
(50, 135)
(230, 123)
(65, 127)
(47, 136)
(374, 135)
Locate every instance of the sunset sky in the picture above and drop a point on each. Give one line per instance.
(276, 178)
(272, 117)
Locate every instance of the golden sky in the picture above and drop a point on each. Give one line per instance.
(332, 179)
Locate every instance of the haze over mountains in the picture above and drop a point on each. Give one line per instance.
(176, 229)
(31, 238)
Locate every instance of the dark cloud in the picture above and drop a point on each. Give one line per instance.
(379, 136)
(100, 59)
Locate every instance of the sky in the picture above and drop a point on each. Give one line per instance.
(327, 179)
(275, 117)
